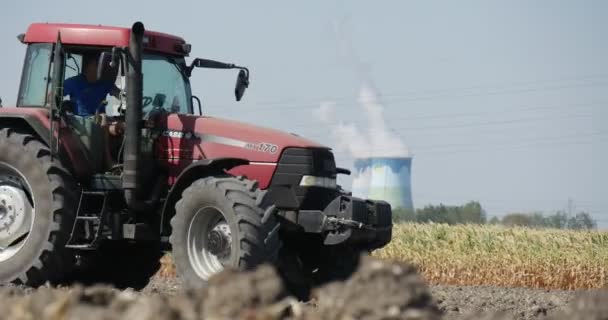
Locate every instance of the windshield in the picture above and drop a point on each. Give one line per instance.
(165, 85)
(35, 77)
(166, 88)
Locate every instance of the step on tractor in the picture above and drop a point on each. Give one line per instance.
(216, 193)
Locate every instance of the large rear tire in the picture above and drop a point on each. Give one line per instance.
(218, 224)
(36, 211)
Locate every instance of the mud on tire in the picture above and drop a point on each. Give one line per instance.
(196, 225)
(50, 190)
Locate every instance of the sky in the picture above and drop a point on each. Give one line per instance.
(502, 102)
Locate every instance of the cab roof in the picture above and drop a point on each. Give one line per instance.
(105, 36)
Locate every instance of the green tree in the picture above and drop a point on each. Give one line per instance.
(537, 219)
(437, 214)
(582, 221)
(517, 219)
(472, 212)
(403, 214)
(558, 220)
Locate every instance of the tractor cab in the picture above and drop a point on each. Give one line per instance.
(78, 72)
(163, 62)
(166, 85)
(57, 54)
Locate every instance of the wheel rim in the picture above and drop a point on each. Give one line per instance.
(16, 211)
(209, 242)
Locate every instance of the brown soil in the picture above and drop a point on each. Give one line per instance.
(378, 290)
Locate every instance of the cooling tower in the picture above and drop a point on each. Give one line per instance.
(383, 178)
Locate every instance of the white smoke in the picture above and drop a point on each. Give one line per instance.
(378, 141)
(383, 142)
(348, 136)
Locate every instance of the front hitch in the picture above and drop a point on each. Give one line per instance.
(350, 220)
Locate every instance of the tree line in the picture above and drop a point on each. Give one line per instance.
(472, 212)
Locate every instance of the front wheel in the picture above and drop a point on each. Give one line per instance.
(218, 224)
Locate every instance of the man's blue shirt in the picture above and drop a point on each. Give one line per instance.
(87, 96)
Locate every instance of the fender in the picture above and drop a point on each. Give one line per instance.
(36, 121)
(196, 170)
(25, 121)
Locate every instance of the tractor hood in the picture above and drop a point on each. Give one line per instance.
(220, 138)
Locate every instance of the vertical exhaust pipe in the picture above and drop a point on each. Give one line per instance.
(133, 114)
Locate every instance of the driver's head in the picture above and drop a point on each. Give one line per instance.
(89, 66)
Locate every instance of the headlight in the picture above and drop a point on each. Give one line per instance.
(323, 182)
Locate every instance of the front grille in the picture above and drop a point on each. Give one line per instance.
(297, 162)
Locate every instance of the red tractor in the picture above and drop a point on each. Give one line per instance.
(218, 193)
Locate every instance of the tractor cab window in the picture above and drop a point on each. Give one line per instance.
(166, 88)
(35, 79)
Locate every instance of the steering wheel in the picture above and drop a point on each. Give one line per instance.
(146, 101)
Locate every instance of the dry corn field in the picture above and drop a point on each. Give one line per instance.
(495, 255)
(500, 256)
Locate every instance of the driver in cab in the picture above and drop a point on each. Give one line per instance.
(88, 97)
(89, 94)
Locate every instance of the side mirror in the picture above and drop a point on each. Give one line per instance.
(211, 64)
(242, 82)
(0, 102)
(107, 68)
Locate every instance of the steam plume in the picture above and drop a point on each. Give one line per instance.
(378, 140)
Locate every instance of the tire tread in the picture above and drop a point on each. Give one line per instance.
(53, 259)
(243, 196)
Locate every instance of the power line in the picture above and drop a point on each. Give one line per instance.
(493, 123)
(315, 101)
(509, 111)
(542, 139)
(474, 124)
(491, 149)
(548, 88)
(407, 98)
(520, 84)
(517, 110)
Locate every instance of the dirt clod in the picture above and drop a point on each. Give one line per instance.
(378, 290)
(588, 306)
(232, 295)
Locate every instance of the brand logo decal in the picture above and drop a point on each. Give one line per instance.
(262, 147)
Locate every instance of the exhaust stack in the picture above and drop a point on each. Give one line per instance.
(134, 87)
